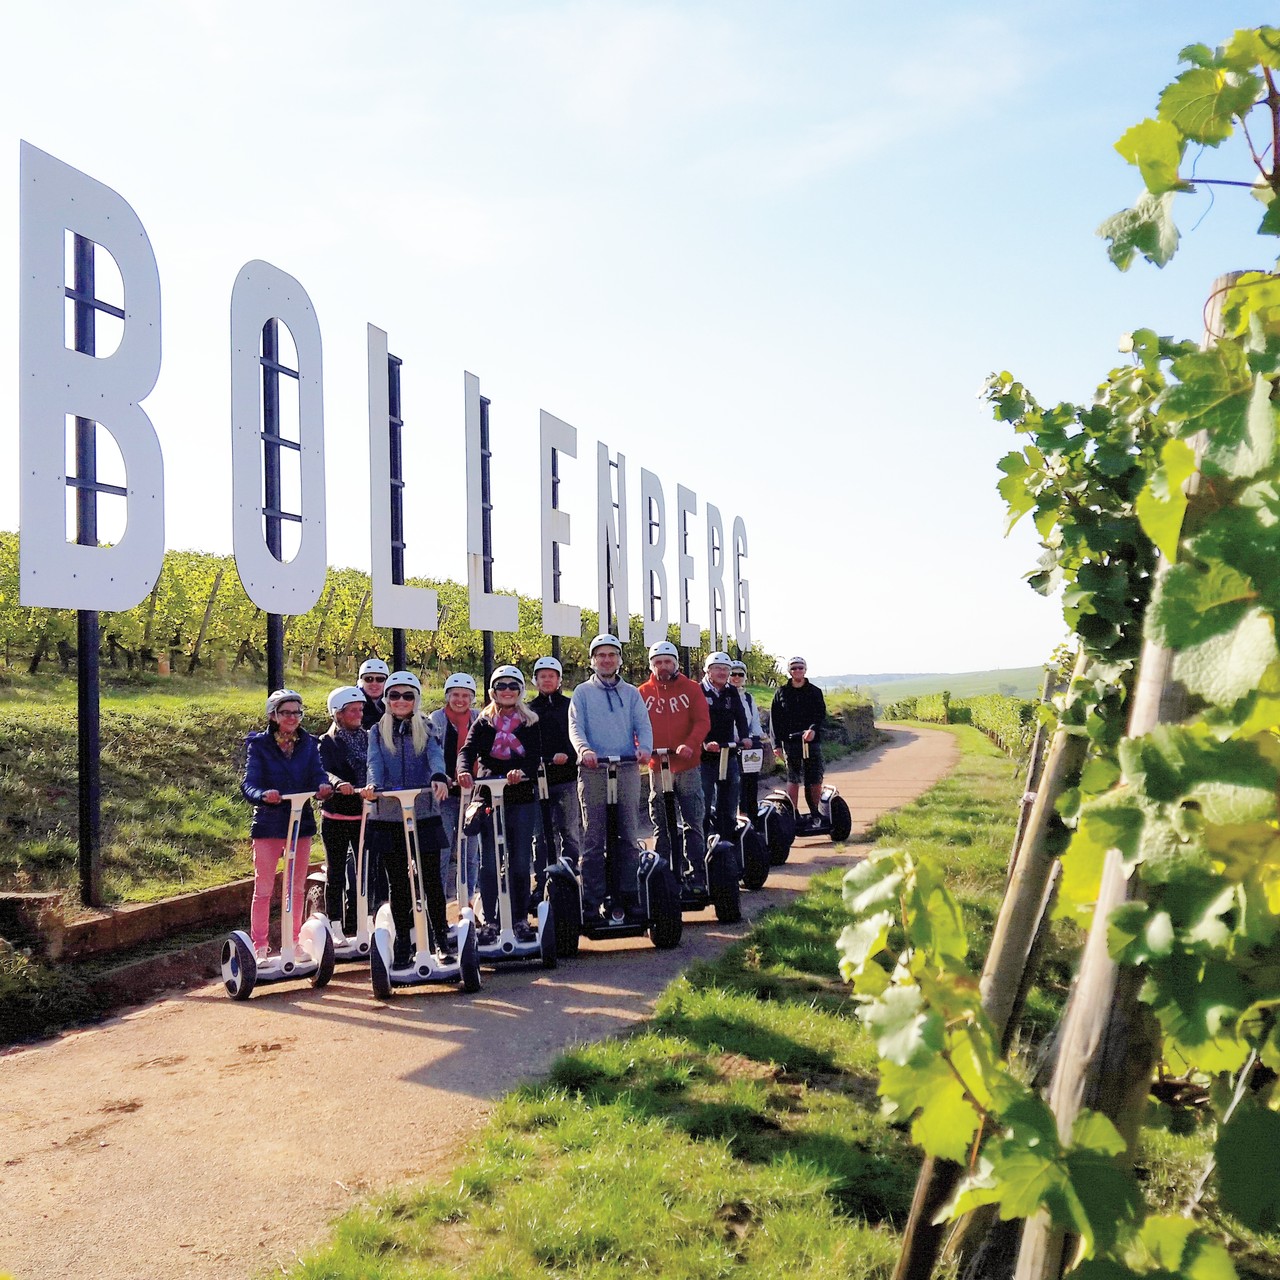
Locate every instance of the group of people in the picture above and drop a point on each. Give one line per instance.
(381, 739)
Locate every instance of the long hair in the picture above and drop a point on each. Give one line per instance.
(526, 713)
(417, 723)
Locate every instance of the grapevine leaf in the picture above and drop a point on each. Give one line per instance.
(1199, 55)
(1201, 103)
(1155, 146)
(873, 883)
(1162, 503)
(1165, 1239)
(1093, 1132)
(945, 1121)
(1207, 1260)
(1227, 667)
(1213, 391)
(1146, 229)
(1196, 601)
(1247, 537)
(1250, 446)
(861, 942)
(1245, 1152)
(1197, 1002)
(1249, 852)
(978, 1188)
(904, 1030)
(1252, 47)
(1270, 224)
(935, 924)
(1254, 293)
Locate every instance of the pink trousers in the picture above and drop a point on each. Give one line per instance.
(267, 852)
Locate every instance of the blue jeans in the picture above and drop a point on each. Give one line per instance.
(711, 792)
(521, 820)
(686, 787)
(592, 788)
(448, 856)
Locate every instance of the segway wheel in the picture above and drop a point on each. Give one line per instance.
(841, 820)
(755, 860)
(666, 930)
(548, 941)
(727, 900)
(469, 963)
(239, 966)
(324, 970)
(566, 911)
(379, 974)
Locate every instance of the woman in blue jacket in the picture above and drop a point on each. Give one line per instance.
(405, 751)
(281, 760)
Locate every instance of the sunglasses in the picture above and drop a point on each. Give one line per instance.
(400, 695)
(504, 686)
(280, 713)
(374, 679)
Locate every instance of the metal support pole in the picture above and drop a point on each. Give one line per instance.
(399, 654)
(87, 687)
(555, 546)
(486, 527)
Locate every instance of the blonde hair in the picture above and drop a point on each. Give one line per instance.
(527, 714)
(418, 723)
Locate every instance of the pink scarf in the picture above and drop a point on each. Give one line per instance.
(505, 742)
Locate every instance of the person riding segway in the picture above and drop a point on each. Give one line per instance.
(561, 835)
(624, 891)
(796, 718)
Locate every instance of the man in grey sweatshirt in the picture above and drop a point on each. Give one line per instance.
(607, 717)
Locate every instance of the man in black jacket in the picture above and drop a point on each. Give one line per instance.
(729, 724)
(796, 717)
(562, 773)
(372, 681)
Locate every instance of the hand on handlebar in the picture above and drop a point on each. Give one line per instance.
(515, 775)
(559, 758)
(711, 746)
(466, 781)
(324, 791)
(808, 735)
(684, 751)
(440, 790)
(271, 797)
(588, 760)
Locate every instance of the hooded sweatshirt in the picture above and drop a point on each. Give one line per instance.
(608, 717)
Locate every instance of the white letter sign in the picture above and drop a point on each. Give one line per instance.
(561, 440)
(487, 611)
(262, 293)
(717, 621)
(741, 590)
(394, 604)
(686, 506)
(57, 383)
(653, 546)
(611, 542)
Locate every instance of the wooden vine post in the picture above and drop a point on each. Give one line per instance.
(1110, 1041)
(1021, 911)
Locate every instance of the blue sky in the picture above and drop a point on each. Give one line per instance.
(766, 250)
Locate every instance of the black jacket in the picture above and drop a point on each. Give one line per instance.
(795, 710)
(372, 711)
(729, 721)
(340, 767)
(476, 758)
(553, 720)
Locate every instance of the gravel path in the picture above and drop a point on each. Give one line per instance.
(204, 1138)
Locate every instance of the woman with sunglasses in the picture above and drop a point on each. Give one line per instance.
(405, 751)
(749, 798)
(506, 742)
(282, 760)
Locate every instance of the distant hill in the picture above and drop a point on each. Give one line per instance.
(1019, 682)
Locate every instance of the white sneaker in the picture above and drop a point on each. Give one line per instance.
(335, 932)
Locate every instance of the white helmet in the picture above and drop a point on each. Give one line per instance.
(506, 673)
(797, 662)
(275, 698)
(460, 680)
(373, 666)
(603, 639)
(548, 664)
(340, 697)
(663, 649)
(719, 659)
(405, 679)
(737, 667)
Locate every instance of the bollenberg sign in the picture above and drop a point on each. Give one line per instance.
(58, 383)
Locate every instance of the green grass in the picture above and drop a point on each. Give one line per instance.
(1019, 682)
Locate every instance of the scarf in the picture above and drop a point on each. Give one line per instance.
(505, 742)
(286, 742)
(355, 751)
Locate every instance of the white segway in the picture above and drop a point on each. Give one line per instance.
(358, 945)
(424, 966)
(313, 956)
(498, 942)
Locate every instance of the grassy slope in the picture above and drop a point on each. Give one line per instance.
(740, 1127)
(1025, 681)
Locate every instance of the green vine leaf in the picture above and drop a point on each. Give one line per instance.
(1147, 229)
(1196, 601)
(1227, 667)
(1162, 503)
(1156, 147)
(1246, 1152)
(1202, 103)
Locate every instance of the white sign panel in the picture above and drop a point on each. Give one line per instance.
(611, 540)
(57, 384)
(653, 547)
(741, 588)
(686, 506)
(554, 436)
(487, 610)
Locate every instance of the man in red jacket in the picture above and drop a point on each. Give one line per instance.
(681, 719)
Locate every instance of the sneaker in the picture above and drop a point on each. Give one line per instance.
(524, 933)
(335, 932)
(401, 955)
(487, 935)
(262, 952)
(300, 954)
(446, 957)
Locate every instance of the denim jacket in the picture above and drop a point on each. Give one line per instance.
(402, 767)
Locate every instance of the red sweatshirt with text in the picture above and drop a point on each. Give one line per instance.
(679, 714)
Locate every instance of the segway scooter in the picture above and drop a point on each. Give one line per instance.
(424, 966)
(498, 943)
(776, 822)
(718, 886)
(355, 871)
(658, 912)
(313, 958)
(833, 817)
(752, 855)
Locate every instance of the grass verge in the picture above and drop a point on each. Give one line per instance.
(739, 1129)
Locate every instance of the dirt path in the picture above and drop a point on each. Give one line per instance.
(199, 1137)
